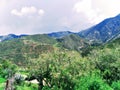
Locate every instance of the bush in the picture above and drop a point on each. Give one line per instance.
(92, 82)
(25, 86)
(116, 85)
(7, 69)
(107, 64)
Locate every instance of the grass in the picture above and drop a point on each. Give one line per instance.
(27, 86)
(2, 83)
(2, 80)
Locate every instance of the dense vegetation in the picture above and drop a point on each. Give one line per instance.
(56, 68)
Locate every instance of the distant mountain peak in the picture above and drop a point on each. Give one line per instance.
(10, 36)
(59, 34)
(118, 15)
(103, 31)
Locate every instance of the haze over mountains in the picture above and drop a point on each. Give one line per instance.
(10, 36)
(103, 32)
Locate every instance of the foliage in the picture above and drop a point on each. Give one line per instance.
(41, 38)
(56, 68)
(116, 85)
(7, 69)
(92, 81)
(2, 80)
(26, 86)
(73, 42)
(107, 60)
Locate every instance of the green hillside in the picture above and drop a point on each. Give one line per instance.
(41, 58)
(41, 38)
(18, 50)
(73, 42)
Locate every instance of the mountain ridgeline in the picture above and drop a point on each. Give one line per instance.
(103, 32)
(10, 36)
(59, 34)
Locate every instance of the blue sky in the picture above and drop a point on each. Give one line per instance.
(44, 16)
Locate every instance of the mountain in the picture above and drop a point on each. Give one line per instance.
(41, 38)
(104, 31)
(19, 49)
(10, 36)
(73, 42)
(117, 36)
(59, 34)
(114, 42)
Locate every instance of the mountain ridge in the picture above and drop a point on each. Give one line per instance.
(11, 36)
(60, 34)
(103, 31)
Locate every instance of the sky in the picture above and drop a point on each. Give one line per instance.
(45, 16)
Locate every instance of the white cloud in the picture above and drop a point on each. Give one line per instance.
(3, 3)
(26, 11)
(39, 16)
(97, 11)
(85, 7)
(15, 12)
(41, 12)
(108, 7)
(81, 6)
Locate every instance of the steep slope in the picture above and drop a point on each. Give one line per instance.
(104, 31)
(114, 37)
(114, 42)
(73, 42)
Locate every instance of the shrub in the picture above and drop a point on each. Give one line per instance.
(107, 64)
(92, 82)
(116, 85)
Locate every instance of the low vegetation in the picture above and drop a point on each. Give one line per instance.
(45, 66)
